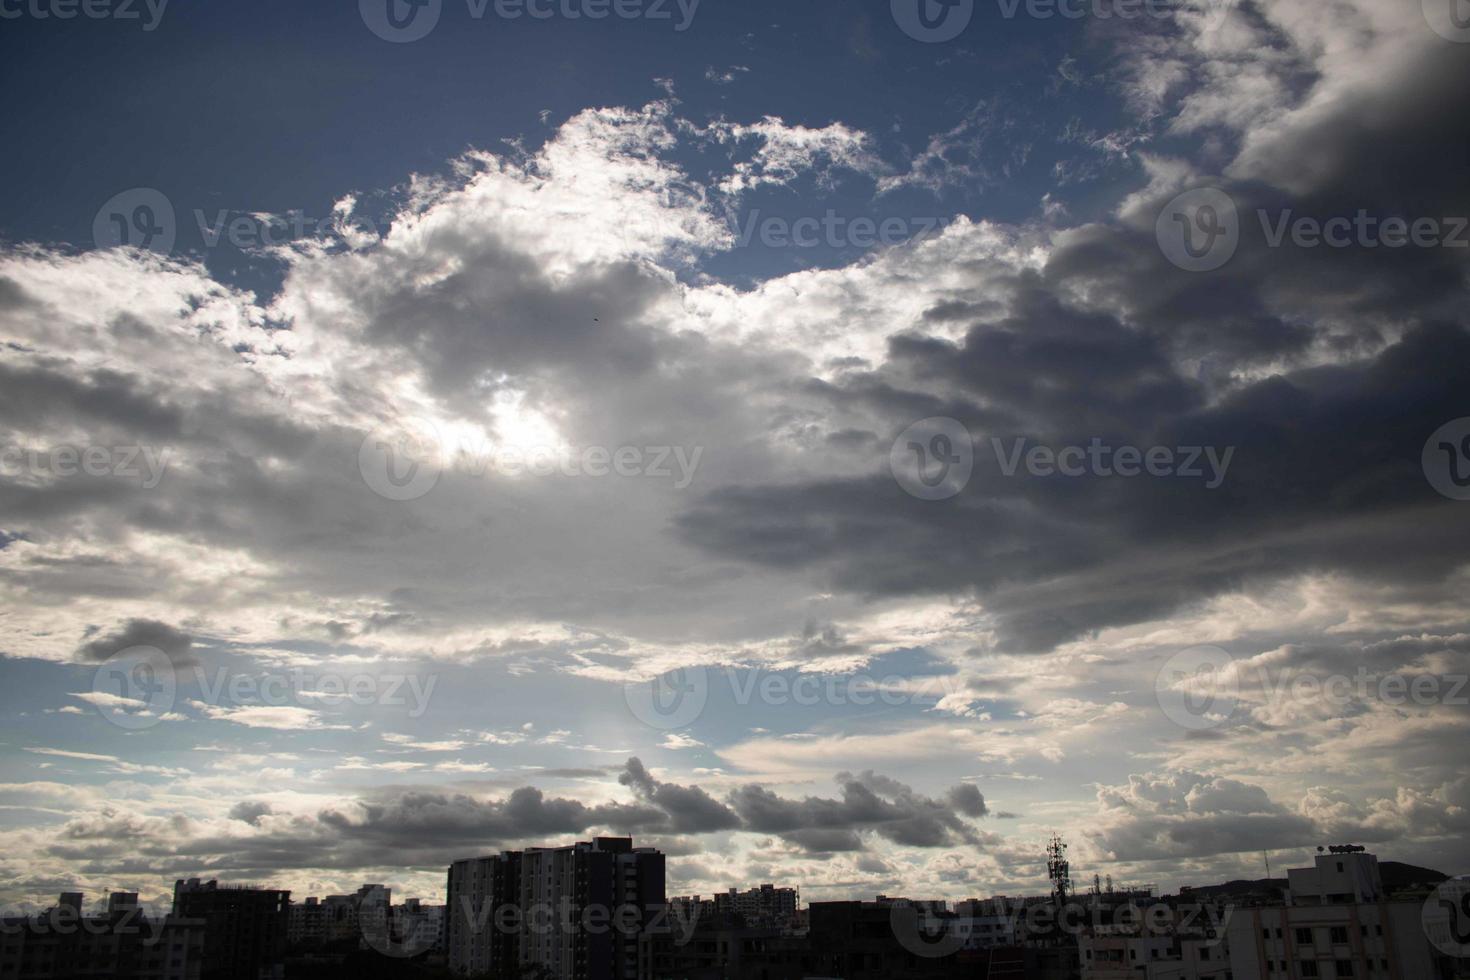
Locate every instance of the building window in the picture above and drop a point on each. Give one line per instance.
(1304, 937)
(1344, 968)
(1339, 934)
(1309, 969)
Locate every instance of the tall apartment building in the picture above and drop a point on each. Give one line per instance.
(576, 912)
(480, 930)
(244, 928)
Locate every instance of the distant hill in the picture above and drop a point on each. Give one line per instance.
(1396, 876)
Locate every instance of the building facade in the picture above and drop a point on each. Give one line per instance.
(244, 928)
(573, 912)
(64, 943)
(1337, 921)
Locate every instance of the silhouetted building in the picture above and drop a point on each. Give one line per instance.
(480, 934)
(63, 943)
(765, 907)
(244, 928)
(573, 912)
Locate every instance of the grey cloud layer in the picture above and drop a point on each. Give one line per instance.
(422, 828)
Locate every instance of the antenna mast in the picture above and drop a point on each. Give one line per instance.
(1058, 870)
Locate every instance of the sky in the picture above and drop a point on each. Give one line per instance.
(838, 442)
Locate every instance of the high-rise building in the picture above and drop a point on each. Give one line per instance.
(575, 912)
(484, 893)
(244, 928)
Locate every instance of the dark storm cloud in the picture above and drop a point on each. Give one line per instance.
(1394, 145)
(1325, 476)
(426, 828)
(691, 810)
(869, 803)
(50, 393)
(1325, 473)
(1326, 369)
(142, 633)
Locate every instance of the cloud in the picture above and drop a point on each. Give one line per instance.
(869, 803)
(690, 808)
(142, 633)
(250, 812)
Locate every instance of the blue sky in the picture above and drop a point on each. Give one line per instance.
(541, 406)
(200, 109)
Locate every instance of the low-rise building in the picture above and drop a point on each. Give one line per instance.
(64, 943)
